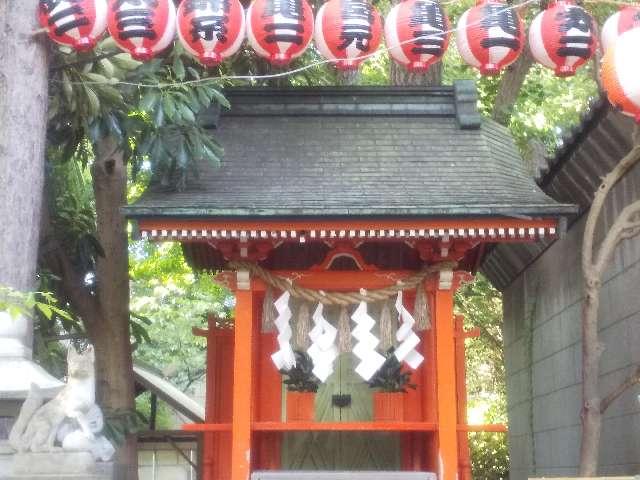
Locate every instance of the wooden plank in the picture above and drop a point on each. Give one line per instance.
(341, 426)
(344, 427)
(242, 387)
(207, 427)
(446, 386)
(497, 428)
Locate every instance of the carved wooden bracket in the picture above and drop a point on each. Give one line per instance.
(344, 249)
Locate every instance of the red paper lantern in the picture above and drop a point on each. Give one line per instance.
(142, 27)
(347, 30)
(279, 30)
(417, 33)
(621, 73)
(563, 37)
(618, 23)
(74, 23)
(211, 30)
(490, 36)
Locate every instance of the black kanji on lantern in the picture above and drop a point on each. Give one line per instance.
(74, 11)
(353, 27)
(138, 22)
(504, 18)
(430, 14)
(206, 26)
(283, 30)
(575, 18)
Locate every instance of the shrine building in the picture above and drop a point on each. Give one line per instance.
(354, 211)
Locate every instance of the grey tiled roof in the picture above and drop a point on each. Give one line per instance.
(572, 175)
(357, 152)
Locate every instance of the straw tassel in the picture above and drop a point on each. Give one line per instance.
(388, 328)
(421, 311)
(303, 327)
(344, 331)
(269, 313)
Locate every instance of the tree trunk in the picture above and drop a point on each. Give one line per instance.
(348, 77)
(591, 351)
(510, 86)
(23, 122)
(110, 337)
(400, 76)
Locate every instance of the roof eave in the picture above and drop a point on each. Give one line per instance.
(512, 211)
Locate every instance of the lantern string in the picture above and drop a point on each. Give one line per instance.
(250, 78)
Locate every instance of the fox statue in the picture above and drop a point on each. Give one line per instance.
(71, 421)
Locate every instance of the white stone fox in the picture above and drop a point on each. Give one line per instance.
(71, 418)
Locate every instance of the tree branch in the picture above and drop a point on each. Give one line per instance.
(630, 381)
(609, 181)
(615, 234)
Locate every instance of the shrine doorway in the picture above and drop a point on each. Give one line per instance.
(343, 398)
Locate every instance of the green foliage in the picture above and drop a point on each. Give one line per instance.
(301, 378)
(547, 107)
(17, 304)
(172, 299)
(481, 306)
(151, 109)
(489, 456)
(391, 377)
(164, 417)
(169, 136)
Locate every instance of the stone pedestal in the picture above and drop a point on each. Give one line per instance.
(58, 466)
(17, 370)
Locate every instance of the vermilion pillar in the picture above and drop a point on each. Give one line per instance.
(446, 383)
(242, 381)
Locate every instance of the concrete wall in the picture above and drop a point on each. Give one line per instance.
(542, 334)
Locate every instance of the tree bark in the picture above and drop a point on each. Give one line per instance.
(104, 314)
(510, 86)
(348, 77)
(593, 267)
(111, 337)
(23, 123)
(400, 76)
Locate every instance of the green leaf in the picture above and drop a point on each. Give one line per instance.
(169, 107)
(183, 156)
(45, 309)
(93, 101)
(178, 68)
(107, 67)
(158, 119)
(204, 99)
(219, 97)
(187, 113)
(149, 100)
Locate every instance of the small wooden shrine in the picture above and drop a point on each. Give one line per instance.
(345, 198)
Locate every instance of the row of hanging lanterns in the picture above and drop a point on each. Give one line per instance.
(490, 36)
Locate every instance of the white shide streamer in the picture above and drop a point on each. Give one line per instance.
(365, 349)
(407, 339)
(323, 350)
(284, 359)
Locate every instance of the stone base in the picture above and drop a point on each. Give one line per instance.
(58, 477)
(58, 466)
